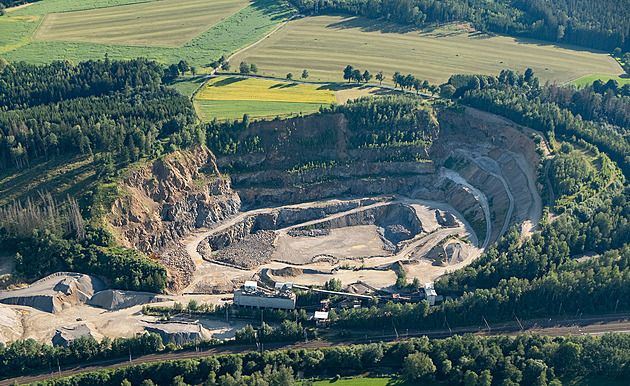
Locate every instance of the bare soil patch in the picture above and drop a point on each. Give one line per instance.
(342, 243)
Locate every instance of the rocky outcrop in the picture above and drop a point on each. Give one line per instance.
(277, 219)
(169, 198)
(249, 244)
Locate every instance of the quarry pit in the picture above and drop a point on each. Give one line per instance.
(358, 222)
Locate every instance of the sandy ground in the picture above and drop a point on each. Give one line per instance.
(358, 247)
(351, 242)
(20, 322)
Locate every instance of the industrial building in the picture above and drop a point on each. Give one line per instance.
(251, 296)
(430, 293)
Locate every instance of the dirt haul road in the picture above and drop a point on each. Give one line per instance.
(219, 272)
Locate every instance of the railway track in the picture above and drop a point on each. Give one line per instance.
(589, 325)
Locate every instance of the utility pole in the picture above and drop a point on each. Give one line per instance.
(486, 322)
(129, 354)
(519, 322)
(447, 325)
(616, 304)
(58, 366)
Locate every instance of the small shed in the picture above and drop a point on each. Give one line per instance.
(250, 286)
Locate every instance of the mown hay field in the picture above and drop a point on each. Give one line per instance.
(252, 89)
(166, 23)
(235, 31)
(324, 45)
(231, 97)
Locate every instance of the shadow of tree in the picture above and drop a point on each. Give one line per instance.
(227, 82)
(276, 9)
(369, 25)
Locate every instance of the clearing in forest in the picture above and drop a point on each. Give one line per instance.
(166, 23)
(325, 45)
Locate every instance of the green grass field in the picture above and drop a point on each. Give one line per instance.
(588, 80)
(234, 32)
(231, 109)
(324, 45)
(187, 86)
(60, 176)
(166, 23)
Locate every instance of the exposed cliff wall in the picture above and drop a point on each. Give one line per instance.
(169, 198)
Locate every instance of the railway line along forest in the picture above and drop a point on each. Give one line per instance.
(264, 192)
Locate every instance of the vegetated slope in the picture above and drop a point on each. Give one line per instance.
(325, 45)
(601, 24)
(234, 32)
(90, 121)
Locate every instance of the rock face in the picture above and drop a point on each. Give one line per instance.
(249, 243)
(55, 292)
(169, 198)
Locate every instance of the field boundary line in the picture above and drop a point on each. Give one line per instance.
(297, 12)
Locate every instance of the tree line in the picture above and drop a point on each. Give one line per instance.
(468, 360)
(25, 356)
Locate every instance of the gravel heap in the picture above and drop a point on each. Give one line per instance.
(180, 267)
(309, 233)
(249, 252)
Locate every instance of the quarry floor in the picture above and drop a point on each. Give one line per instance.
(354, 253)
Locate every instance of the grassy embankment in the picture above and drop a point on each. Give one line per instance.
(324, 45)
(176, 30)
